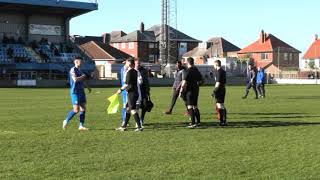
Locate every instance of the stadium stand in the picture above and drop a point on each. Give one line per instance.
(35, 41)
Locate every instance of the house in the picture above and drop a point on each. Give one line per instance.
(221, 48)
(182, 42)
(144, 44)
(312, 56)
(106, 58)
(269, 51)
(216, 47)
(140, 44)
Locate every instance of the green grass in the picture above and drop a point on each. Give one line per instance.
(274, 138)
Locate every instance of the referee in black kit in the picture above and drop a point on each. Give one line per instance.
(219, 93)
(134, 95)
(190, 86)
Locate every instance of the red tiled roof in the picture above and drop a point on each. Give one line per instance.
(97, 50)
(271, 44)
(314, 51)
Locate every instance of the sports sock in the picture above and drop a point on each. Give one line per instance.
(82, 118)
(197, 114)
(126, 121)
(143, 114)
(221, 116)
(192, 115)
(218, 113)
(123, 113)
(70, 115)
(136, 117)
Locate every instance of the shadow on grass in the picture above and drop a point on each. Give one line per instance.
(232, 124)
(304, 97)
(270, 114)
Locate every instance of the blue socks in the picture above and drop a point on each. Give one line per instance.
(70, 116)
(124, 112)
(82, 118)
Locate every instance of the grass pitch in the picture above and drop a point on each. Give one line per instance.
(273, 138)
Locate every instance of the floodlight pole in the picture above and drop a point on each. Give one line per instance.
(279, 62)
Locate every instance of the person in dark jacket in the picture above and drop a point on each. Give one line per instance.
(144, 87)
(251, 81)
(261, 76)
(180, 73)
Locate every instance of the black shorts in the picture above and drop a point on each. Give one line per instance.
(132, 101)
(220, 95)
(192, 97)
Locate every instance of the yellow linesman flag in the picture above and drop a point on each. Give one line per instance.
(114, 104)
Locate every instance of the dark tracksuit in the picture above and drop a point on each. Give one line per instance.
(145, 91)
(251, 82)
(176, 87)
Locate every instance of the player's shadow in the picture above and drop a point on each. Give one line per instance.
(231, 124)
(276, 115)
(267, 114)
(304, 97)
(262, 124)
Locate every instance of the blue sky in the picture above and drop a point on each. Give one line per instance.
(293, 21)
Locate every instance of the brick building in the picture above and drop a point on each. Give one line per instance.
(269, 51)
(144, 44)
(216, 47)
(312, 56)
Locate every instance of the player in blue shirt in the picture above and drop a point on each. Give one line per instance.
(78, 97)
(124, 93)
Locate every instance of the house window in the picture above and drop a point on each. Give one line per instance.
(151, 58)
(131, 45)
(123, 45)
(151, 45)
(116, 45)
(286, 56)
(264, 56)
(290, 58)
(311, 64)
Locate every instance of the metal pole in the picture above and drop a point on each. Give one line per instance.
(316, 74)
(279, 62)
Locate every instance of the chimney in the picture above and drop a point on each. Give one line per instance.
(262, 37)
(106, 38)
(142, 27)
(316, 37)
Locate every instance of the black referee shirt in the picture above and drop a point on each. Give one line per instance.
(221, 77)
(193, 78)
(132, 80)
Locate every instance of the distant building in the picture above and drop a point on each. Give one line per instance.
(216, 47)
(270, 53)
(312, 57)
(144, 44)
(182, 41)
(140, 44)
(105, 38)
(105, 57)
(219, 47)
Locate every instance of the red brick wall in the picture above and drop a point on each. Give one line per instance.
(273, 58)
(133, 52)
